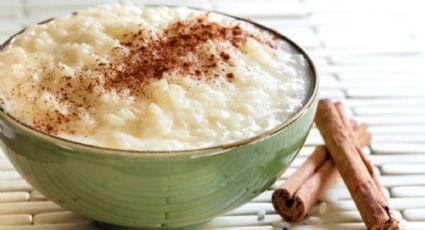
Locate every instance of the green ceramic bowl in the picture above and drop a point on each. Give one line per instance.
(167, 190)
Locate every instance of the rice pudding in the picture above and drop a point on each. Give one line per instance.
(151, 78)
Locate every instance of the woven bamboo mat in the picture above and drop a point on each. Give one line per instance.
(369, 55)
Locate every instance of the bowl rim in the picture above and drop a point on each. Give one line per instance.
(205, 151)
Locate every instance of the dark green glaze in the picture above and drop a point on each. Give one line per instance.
(168, 190)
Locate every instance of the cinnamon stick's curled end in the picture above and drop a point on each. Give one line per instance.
(391, 224)
(291, 208)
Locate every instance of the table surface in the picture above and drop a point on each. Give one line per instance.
(369, 54)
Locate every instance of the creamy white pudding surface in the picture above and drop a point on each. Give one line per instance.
(151, 78)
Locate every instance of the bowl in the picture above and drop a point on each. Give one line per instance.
(161, 189)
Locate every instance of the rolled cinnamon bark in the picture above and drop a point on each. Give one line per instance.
(366, 162)
(354, 168)
(305, 186)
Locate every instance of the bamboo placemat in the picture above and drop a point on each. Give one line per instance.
(369, 55)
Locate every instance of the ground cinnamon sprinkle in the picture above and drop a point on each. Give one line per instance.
(142, 59)
(178, 51)
(230, 76)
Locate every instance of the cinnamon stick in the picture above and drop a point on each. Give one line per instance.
(354, 167)
(305, 186)
(366, 162)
